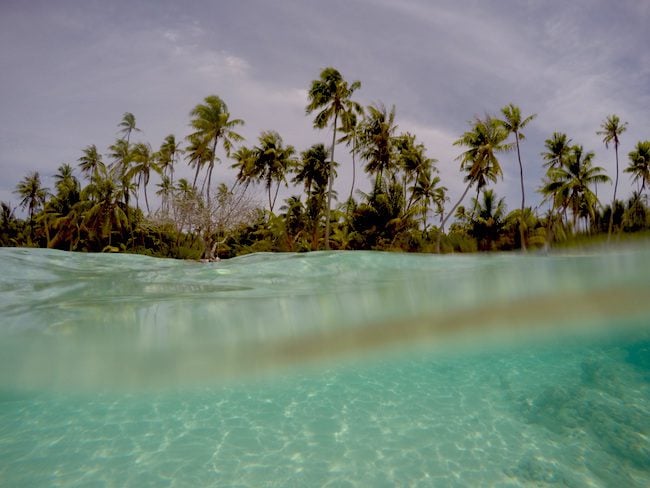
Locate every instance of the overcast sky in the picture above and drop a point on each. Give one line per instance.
(71, 69)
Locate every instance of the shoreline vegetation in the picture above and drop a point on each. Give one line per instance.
(103, 202)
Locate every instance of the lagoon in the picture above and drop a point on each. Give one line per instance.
(326, 369)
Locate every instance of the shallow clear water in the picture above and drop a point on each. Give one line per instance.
(325, 369)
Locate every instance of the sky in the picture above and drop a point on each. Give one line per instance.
(71, 69)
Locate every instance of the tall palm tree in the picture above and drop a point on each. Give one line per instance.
(272, 162)
(212, 124)
(351, 123)
(484, 141)
(330, 95)
(612, 128)
(514, 123)
(245, 165)
(167, 155)
(127, 126)
(639, 165)
(377, 144)
(558, 147)
(144, 165)
(91, 162)
(122, 156)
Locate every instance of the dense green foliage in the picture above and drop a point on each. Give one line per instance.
(407, 208)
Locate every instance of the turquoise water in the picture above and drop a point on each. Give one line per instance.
(325, 369)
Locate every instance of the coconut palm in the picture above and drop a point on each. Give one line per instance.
(484, 141)
(127, 126)
(213, 125)
(144, 164)
(486, 224)
(33, 196)
(557, 147)
(167, 155)
(245, 165)
(377, 145)
(351, 122)
(639, 165)
(612, 128)
(330, 96)
(91, 162)
(312, 169)
(272, 162)
(570, 184)
(426, 191)
(513, 123)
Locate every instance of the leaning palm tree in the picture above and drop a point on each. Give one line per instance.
(484, 141)
(330, 96)
(212, 125)
(639, 165)
(513, 123)
(612, 128)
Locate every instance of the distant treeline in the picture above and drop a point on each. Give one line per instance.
(106, 205)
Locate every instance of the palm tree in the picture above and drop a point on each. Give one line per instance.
(558, 147)
(377, 144)
(127, 125)
(350, 126)
(91, 162)
(639, 165)
(245, 165)
(313, 169)
(167, 154)
(513, 123)
(570, 184)
(612, 128)
(427, 190)
(485, 139)
(413, 162)
(330, 95)
(33, 196)
(212, 123)
(272, 162)
(144, 164)
(122, 157)
(486, 225)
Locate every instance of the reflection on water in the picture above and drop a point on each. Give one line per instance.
(501, 370)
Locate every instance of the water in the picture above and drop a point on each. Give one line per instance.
(325, 369)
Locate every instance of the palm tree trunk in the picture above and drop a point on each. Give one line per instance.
(354, 166)
(450, 213)
(522, 236)
(275, 196)
(611, 215)
(329, 186)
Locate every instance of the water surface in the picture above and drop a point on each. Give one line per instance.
(337, 369)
